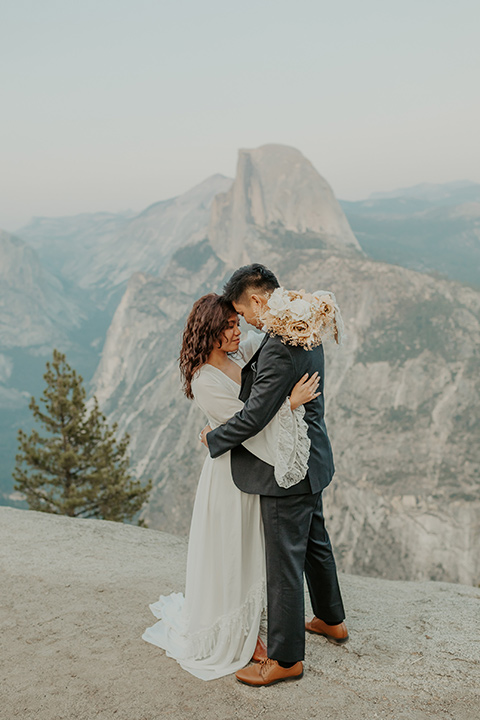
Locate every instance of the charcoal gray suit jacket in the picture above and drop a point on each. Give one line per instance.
(267, 379)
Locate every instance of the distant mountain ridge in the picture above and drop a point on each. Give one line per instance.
(99, 252)
(430, 228)
(450, 192)
(33, 306)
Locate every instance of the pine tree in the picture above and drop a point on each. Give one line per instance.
(78, 468)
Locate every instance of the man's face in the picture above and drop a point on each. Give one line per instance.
(249, 306)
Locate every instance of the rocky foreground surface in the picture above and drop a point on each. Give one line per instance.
(74, 603)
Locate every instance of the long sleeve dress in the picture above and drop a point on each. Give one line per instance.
(212, 630)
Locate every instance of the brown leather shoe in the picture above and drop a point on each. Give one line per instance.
(260, 651)
(337, 634)
(269, 672)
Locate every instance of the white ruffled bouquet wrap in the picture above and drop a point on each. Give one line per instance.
(301, 318)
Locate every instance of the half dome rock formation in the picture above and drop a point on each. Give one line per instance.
(74, 605)
(277, 197)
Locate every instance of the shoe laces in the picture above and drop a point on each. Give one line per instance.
(265, 664)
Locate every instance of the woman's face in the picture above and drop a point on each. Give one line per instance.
(230, 337)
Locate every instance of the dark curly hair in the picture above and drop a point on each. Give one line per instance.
(207, 321)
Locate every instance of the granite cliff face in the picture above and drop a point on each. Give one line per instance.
(277, 200)
(401, 393)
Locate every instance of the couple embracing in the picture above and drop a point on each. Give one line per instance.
(257, 526)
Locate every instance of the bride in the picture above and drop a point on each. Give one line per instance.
(212, 631)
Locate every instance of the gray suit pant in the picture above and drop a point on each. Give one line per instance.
(297, 542)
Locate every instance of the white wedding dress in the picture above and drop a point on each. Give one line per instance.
(212, 630)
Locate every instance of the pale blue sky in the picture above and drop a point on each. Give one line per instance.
(115, 104)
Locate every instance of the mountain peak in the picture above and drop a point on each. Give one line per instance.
(276, 189)
(443, 193)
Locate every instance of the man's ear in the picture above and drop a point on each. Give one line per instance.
(255, 299)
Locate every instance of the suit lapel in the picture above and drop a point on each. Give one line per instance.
(248, 372)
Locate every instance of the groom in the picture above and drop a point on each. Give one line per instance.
(295, 536)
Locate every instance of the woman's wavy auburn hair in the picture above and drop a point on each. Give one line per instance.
(205, 325)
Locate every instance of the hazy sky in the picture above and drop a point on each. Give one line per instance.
(115, 104)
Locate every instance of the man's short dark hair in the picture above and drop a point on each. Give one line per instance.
(249, 277)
